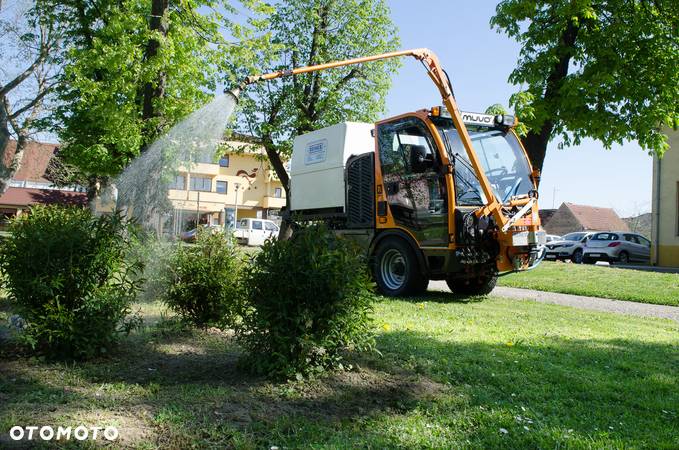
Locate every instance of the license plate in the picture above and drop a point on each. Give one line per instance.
(548, 256)
(594, 255)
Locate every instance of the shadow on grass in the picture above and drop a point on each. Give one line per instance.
(441, 297)
(617, 390)
(607, 392)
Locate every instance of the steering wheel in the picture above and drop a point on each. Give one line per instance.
(496, 173)
(513, 191)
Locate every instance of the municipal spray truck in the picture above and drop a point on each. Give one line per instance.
(435, 194)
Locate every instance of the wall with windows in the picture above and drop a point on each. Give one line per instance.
(665, 226)
(214, 188)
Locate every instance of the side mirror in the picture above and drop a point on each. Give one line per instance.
(420, 160)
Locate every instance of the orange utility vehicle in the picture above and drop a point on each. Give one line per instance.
(432, 194)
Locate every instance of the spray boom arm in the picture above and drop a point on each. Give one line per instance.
(440, 79)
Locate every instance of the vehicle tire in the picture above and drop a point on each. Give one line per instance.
(577, 256)
(623, 257)
(481, 285)
(396, 269)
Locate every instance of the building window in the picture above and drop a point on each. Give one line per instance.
(222, 187)
(179, 183)
(224, 161)
(278, 192)
(201, 184)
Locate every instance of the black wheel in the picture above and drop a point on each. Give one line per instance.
(577, 256)
(396, 269)
(481, 285)
(623, 257)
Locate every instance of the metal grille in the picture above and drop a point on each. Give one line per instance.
(360, 191)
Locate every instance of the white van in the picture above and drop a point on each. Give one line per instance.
(255, 231)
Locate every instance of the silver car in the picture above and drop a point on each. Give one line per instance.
(569, 247)
(617, 246)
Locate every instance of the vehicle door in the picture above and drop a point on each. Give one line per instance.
(414, 185)
(633, 247)
(271, 230)
(645, 250)
(257, 232)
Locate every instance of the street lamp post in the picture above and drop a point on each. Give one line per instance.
(235, 218)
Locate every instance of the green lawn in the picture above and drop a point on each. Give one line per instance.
(494, 373)
(599, 281)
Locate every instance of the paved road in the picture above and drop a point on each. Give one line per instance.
(580, 301)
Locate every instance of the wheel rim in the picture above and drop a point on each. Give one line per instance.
(624, 258)
(577, 256)
(393, 269)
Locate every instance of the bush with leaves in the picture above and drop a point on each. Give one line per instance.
(307, 299)
(203, 281)
(68, 277)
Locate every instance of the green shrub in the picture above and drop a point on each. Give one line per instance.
(307, 299)
(67, 276)
(203, 281)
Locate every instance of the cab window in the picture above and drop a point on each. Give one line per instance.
(406, 147)
(256, 224)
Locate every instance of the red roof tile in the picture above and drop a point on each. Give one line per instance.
(28, 196)
(37, 156)
(597, 219)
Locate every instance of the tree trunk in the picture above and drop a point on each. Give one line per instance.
(154, 91)
(8, 172)
(279, 167)
(4, 131)
(536, 141)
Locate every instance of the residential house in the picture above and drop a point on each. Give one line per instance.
(240, 184)
(570, 217)
(665, 206)
(31, 186)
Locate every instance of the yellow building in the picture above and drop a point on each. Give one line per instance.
(241, 184)
(665, 226)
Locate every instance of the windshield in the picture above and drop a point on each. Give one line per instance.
(243, 224)
(501, 156)
(574, 237)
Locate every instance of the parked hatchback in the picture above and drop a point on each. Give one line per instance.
(614, 246)
(569, 246)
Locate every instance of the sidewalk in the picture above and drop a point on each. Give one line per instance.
(580, 301)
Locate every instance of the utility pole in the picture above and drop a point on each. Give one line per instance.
(197, 209)
(554, 198)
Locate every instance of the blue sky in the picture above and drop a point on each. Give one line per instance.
(479, 61)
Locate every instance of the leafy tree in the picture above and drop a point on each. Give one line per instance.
(307, 32)
(29, 52)
(132, 72)
(592, 68)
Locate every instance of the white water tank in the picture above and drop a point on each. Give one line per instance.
(318, 161)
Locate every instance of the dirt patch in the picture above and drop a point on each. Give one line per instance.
(335, 398)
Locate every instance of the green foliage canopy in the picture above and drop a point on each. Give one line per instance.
(99, 116)
(606, 70)
(306, 32)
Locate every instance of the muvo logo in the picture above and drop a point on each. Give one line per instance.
(478, 119)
